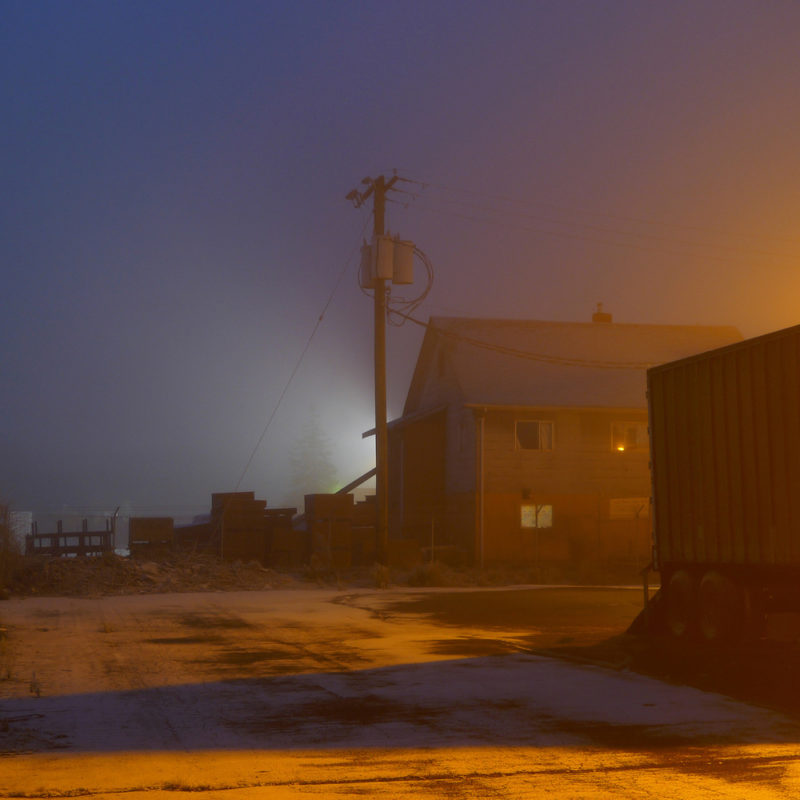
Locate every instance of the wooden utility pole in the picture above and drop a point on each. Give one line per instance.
(381, 433)
(380, 186)
(377, 187)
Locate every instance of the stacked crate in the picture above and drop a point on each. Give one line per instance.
(329, 519)
(404, 553)
(150, 537)
(287, 548)
(363, 536)
(242, 527)
(199, 537)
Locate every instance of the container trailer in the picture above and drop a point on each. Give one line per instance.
(725, 458)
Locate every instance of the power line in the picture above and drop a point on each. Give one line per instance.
(301, 356)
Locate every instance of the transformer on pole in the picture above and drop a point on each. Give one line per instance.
(383, 259)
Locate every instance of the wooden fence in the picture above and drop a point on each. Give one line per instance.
(70, 543)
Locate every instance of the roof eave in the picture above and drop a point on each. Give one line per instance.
(498, 407)
(407, 419)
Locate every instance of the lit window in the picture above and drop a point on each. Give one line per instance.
(534, 435)
(629, 436)
(536, 515)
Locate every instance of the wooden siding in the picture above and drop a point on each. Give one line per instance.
(417, 478)
(579, 477)
(581, 534)
(461, 452)
(434, 479)
(581, 462)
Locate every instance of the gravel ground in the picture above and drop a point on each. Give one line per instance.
(402, 693)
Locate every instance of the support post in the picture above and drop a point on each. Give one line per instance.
(379, 189)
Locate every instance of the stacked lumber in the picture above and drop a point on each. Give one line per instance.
(242, 525)
(364, 518)
(329, 520)
(150, 537)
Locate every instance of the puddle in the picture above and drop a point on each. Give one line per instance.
(184, 640)
(218, 620)
(468, 646)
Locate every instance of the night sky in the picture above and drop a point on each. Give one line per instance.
(173, 218)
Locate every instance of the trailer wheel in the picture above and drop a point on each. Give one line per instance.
(755, 614)
(722, 608)
(679, 612)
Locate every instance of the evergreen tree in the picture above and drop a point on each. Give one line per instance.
(313, 471)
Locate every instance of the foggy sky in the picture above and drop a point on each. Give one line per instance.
(173, 221)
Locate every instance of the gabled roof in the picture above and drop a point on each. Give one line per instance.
(497, 362)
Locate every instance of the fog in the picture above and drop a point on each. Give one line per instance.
(175, 224)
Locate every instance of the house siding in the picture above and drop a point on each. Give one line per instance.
(579, 478)
(435, 485)
(581, 461)
(581, 377)
(417, 496)
(461, 453)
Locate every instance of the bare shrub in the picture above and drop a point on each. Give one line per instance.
(381, 576)
(434, 574)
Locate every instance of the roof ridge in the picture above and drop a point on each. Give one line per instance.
(499, 321)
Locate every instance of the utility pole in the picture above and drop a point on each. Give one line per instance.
(381, 433)
(377, 187)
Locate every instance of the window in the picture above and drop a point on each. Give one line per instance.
(536, 515)
(534, 435)
(629, 436)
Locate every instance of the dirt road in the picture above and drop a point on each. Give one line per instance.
(398, 693)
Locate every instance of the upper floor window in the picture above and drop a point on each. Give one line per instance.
(627, 436)
(534, 434)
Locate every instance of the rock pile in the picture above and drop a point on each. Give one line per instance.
(113, 574)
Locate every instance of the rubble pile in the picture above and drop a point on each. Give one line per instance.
(114, 574)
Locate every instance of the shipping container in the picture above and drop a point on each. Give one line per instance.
(725, 458)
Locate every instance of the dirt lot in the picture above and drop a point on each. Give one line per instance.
(342, 692)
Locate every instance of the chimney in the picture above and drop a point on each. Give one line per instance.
(600, 315)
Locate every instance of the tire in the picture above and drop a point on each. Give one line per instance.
(722, 609)
(755, 614)
(680, 608)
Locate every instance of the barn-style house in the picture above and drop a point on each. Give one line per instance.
(526, 441)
